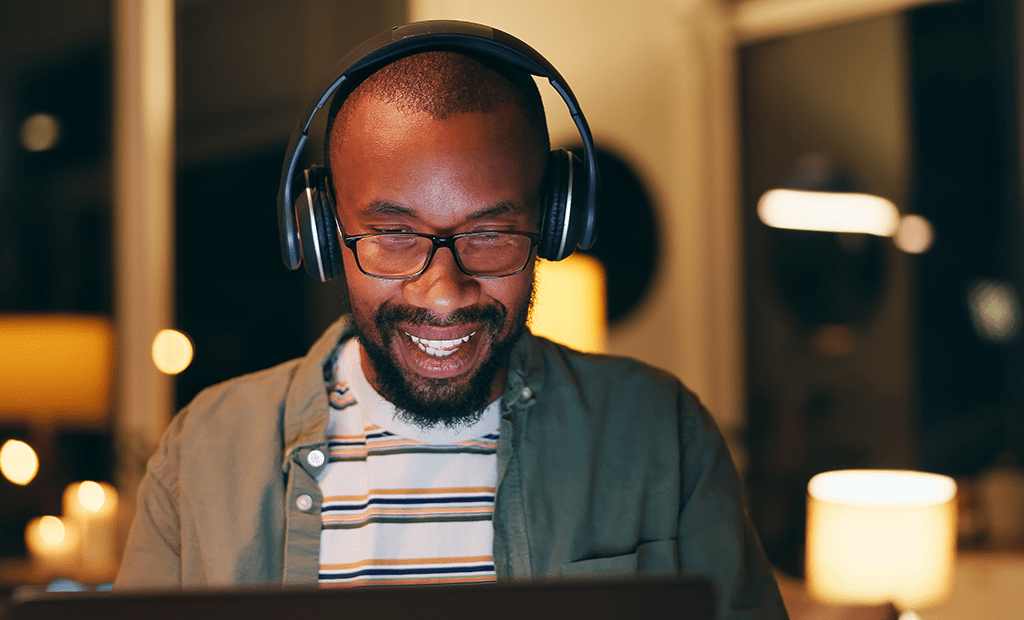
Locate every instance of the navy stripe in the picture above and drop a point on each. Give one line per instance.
(388, 519)
(394, 572)
(427, 449)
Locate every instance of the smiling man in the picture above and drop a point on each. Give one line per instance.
(429, 437)
(410, 155)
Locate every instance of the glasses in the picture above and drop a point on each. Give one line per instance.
(397, 256)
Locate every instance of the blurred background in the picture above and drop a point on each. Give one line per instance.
(124, 212)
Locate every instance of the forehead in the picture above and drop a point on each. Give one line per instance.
(435, 167)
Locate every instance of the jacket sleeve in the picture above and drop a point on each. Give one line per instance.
(152, 556)
(716, 535)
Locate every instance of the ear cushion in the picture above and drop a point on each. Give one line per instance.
(317, 224)
(564, 204)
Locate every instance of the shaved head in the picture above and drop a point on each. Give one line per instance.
(441, 84)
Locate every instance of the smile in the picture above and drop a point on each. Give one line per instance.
(439, 348)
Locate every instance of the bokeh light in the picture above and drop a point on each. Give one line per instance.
(18, 462)
(91, 496)
(51, 530)
(40, 132)
(828, 212)
(172, 351)
(915, 234)
(995, 310)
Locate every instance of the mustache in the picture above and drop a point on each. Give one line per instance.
(390, 314)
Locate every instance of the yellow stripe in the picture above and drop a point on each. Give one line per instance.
(410, 582)
(437, 491)
(406, 562)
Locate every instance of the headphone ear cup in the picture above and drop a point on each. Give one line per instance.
(318, 227)
(564, 203)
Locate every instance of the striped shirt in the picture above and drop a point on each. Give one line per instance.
(403, 504)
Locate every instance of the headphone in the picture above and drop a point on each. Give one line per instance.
(307, 220)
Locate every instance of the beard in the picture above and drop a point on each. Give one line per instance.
(427, 402)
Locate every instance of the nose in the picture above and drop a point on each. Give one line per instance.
(443, 288)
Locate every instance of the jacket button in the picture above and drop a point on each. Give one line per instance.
(315, 458)
(527, 393)
(304, 502)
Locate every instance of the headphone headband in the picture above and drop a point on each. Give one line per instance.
(400, 41)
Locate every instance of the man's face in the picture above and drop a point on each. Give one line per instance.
(437, 345)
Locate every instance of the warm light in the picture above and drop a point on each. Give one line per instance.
(56, 367)
(51, 530)
(52, 545)
(91, 496)
(828, 212)
(18, 462)
(994, 311)
(88, 499)
(569, 303)
(876, 537)
(172, 351)
(40, 132)
(91, 509)
(915, 234)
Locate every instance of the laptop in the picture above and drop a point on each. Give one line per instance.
(680, 597)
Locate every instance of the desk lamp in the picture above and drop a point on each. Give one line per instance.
(876, 537)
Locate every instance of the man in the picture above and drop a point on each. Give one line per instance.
(428, 438)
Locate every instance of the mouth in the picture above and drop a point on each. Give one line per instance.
(439, 348)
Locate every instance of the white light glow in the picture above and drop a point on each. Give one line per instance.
(915, 234)
(882, 488)
(995, 311)
(18, 462)
(828, 212)
(91, 496)
(40, 132)
(172, 351)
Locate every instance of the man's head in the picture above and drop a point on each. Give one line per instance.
(437, 143)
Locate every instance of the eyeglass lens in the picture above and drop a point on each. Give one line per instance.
(484, 254)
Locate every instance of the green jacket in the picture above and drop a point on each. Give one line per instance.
(605, 466)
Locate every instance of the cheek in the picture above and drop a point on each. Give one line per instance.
(514, 291)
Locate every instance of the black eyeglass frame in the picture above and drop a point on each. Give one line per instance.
(439, 242)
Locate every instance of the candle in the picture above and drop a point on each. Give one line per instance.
(92, 508)
(53, 546)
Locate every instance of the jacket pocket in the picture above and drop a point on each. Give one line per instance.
(656, 556)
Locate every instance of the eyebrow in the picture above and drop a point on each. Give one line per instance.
(384, 207)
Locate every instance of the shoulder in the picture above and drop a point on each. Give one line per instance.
(225, 414)
(605, 373)
(241, 400)
(609, 384)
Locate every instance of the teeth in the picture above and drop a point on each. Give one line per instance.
(439, 348)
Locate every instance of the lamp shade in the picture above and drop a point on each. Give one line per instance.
(876, 537)
(56, 368)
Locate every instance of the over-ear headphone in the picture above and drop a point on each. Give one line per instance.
(307, 220)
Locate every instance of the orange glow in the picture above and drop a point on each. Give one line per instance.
(56, 367)
(569, 303)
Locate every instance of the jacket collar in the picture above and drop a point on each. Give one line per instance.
(525, 379)
(306, 408)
